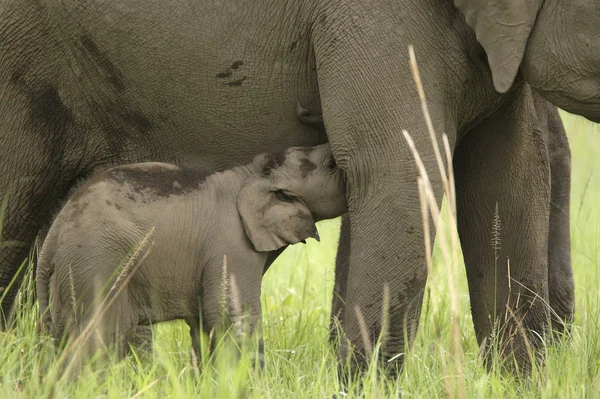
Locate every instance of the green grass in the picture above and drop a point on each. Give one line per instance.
(299, 360)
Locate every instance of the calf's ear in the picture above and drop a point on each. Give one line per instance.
(273, 218)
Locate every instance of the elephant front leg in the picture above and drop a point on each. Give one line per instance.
(231, 296)
(503, 205)
(368, 97)
(386, 272)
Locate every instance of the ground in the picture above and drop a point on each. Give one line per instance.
(299, 361)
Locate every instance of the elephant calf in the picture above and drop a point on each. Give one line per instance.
(151, 239)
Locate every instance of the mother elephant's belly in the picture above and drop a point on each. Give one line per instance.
(211, 83)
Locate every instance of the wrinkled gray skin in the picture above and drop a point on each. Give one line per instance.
(100, 83)
(560, 273)
(242, 213)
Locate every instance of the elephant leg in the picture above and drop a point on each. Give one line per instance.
(244, 287)
(503, 206)
(28, 196)
(367, 98)
(35, 174)
(196, 338)
(272, 257)
(103, 332)
(561, 287)
(140, 339)
(342, 263)
(233, 300)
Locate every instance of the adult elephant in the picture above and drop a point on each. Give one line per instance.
(90, 84)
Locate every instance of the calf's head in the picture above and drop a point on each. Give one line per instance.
(280, 206)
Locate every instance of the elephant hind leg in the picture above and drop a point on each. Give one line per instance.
(139, 339)
(503, 205)
(27, 200)
(560, 271)
(34, 178)
(342, 265)
(106, 331)
(196, 338)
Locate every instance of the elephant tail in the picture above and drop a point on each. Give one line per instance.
(45, 270)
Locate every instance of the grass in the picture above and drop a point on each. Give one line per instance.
(299, 360)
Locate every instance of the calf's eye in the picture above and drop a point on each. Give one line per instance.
(331, 163)
(283, 196)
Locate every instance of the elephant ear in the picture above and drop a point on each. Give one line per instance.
(273, 218)
(502, 27)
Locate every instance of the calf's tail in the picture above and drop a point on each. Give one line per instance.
(44, 272)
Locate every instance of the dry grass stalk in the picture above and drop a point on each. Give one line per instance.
(235, 296)
(429, 206)
(211, 336)
(426, 230)
(425, 108)
(364, 332)
(73, 299)
(521, 330)
(385, 315)
(147, 387)
(195, 360)
(237, 317)
(223, 300)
